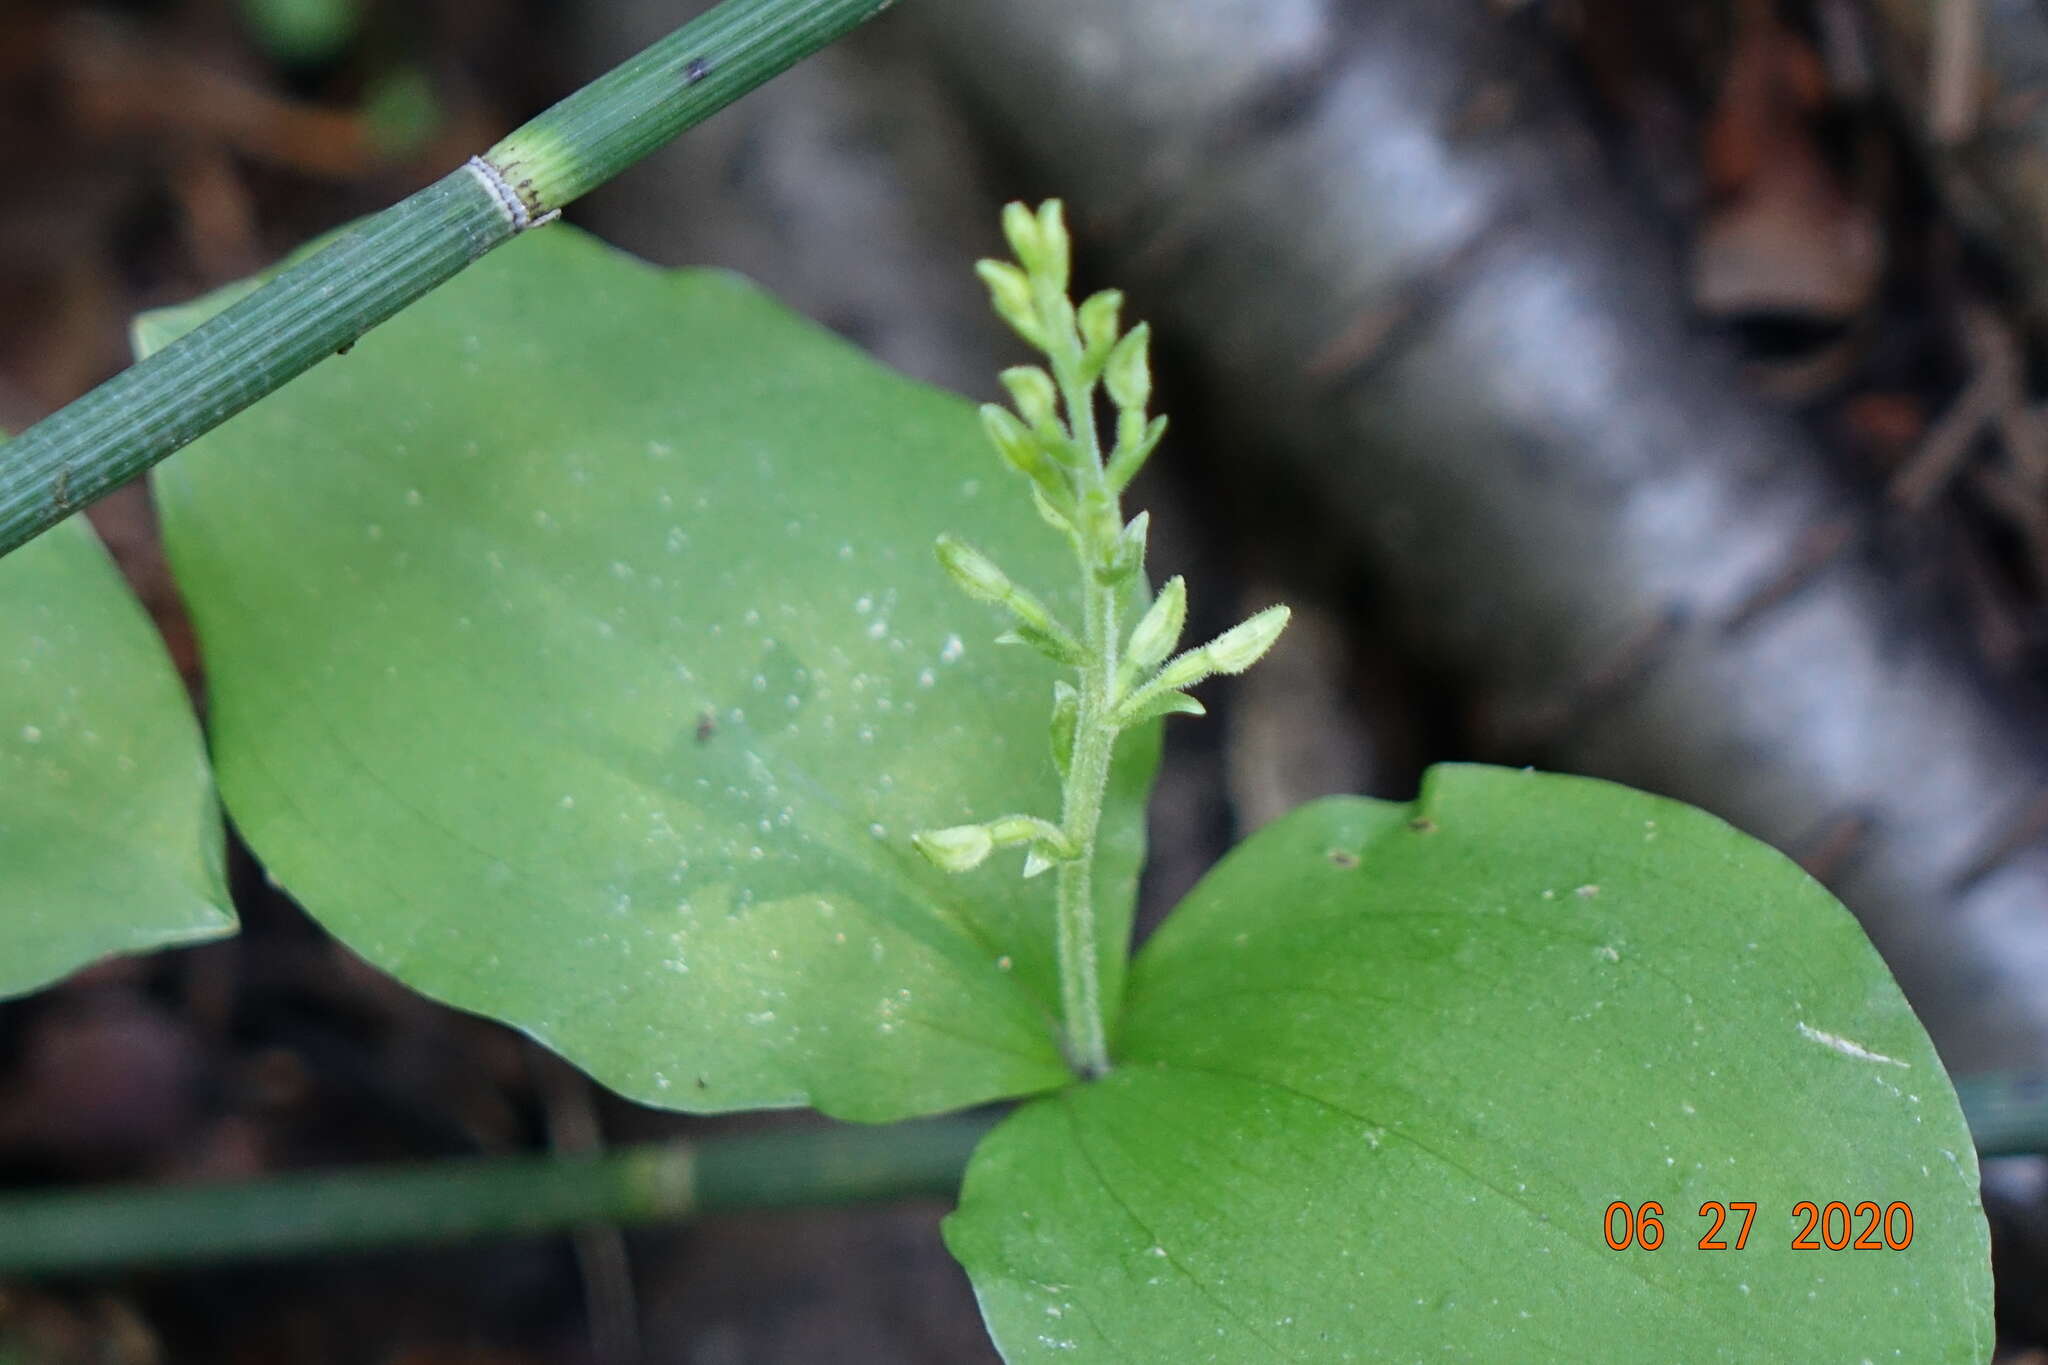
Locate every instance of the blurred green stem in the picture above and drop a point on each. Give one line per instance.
(81, 1230)
(50, 1234)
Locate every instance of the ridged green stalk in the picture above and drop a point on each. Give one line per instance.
(321, 305)
(54, 1234)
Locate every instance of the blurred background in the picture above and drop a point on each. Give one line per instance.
(1651, 391)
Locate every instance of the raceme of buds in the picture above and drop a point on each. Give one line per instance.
(1049, 437)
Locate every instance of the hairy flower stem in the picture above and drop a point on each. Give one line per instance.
(1094, 737)
(1087, 782)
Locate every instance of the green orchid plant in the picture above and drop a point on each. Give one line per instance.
(606, 688)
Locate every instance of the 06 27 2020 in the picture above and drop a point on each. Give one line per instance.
(1833, 1226)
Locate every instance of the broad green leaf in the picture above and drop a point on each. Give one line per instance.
(110, 839)
(1382, 1074)
(578, 653)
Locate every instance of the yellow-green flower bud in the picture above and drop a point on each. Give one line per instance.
(1057, 246)
(1244, 645)
(1158, 631)
(1136, 439)
(959, 849)
(1009, 293)
(974, 571)
(1050, 513)
(1129, 373)
(1046, 636)
(1031, 389)
(1020, 227)
(1018, 447)
(1066, 716)
(1233, 651)
(1098, 321)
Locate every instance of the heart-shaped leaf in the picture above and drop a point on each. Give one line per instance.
(110, 838)
(578, 654)
(1381, 1077)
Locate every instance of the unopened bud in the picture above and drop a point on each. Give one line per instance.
(959, 849)
(1129, 372)
(1020, 450)
(1066, 716)
(1048, 638)
(1098, 321)
(1020, 227)
(1242, 646)
(1050, 512)
(1009, 293)
(1158, 631)
(1233, 651)
(1038, 402)
(1127, 559)
(1136, 439)
(974, 571)
(1054, 242)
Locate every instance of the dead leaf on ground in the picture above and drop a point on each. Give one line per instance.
(1787, 237)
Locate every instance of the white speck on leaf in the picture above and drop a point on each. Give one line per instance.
(1845, 1046)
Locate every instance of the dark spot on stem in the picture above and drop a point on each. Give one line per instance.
(706, 727)
(1422, 825)
(696, 70)
(63, 489)
(347, 346)
(1343, 859)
